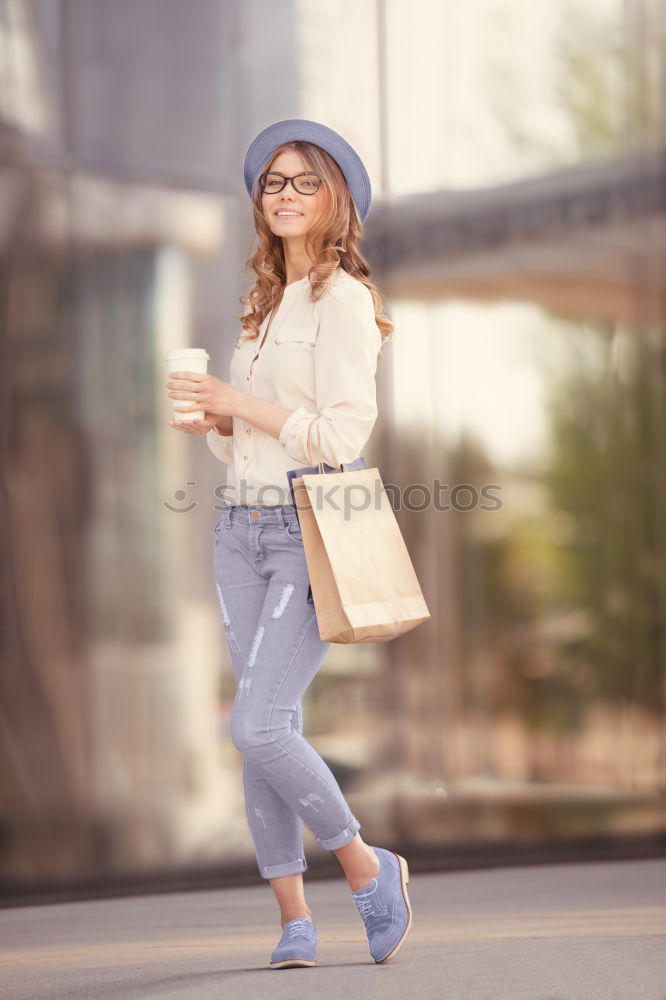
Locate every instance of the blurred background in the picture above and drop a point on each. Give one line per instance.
(517, 152)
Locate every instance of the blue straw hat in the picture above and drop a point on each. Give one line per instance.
(345, 156)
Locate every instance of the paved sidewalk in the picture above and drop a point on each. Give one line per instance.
(564, 932)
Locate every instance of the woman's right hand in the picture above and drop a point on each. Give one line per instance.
(198, 427)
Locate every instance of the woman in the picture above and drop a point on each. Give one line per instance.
(315, 373)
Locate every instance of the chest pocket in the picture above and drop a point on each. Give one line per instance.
(296, 335)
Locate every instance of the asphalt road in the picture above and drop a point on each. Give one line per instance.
(562, 932)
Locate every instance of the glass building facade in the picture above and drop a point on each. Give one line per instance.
(518, 239)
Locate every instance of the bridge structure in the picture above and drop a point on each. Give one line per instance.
(584, 241)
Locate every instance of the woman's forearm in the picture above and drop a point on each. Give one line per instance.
(259, 412)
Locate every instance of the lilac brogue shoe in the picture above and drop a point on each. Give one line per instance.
(384, 906)
(297, 945)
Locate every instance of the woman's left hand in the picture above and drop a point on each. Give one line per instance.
(204, 392)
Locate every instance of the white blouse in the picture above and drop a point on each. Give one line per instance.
(320, 360)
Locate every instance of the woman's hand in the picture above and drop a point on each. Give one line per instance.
(203, 392)
(196, 426)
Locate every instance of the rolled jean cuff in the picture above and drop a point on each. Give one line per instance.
(289, 868)
(349, 832)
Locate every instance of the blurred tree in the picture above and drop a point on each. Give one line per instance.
(607, 445)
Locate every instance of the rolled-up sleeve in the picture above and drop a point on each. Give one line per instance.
(222, 445)
(345, 359)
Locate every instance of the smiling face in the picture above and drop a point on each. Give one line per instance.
(303, 209)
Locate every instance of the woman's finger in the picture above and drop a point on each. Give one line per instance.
(190, 376)
(189, 426)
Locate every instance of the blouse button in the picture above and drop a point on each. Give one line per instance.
(247, 431)
(245, 457)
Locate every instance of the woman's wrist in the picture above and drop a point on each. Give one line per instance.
(224, 426)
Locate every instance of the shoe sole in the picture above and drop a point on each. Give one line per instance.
(404, 879)
(288, 963)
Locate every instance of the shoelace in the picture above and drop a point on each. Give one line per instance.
(297, 927)
(365, 905)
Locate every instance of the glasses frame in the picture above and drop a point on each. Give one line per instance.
(285, 179)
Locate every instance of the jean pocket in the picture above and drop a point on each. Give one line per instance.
(224, 521)
(293, 530)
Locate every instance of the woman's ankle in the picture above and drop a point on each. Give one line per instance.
(296, 914)
(362, 877)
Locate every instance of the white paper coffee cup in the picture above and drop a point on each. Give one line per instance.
(187, 359)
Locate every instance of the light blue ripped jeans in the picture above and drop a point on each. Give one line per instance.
(271, 629)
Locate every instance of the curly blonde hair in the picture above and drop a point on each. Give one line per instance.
(332, 240)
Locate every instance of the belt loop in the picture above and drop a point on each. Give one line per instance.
(282, 518)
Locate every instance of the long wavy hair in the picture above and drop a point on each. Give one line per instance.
(333, 239)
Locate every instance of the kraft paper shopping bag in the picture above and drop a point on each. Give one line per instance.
(364, 585)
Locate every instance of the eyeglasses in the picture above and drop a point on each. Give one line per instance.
(305, 183)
